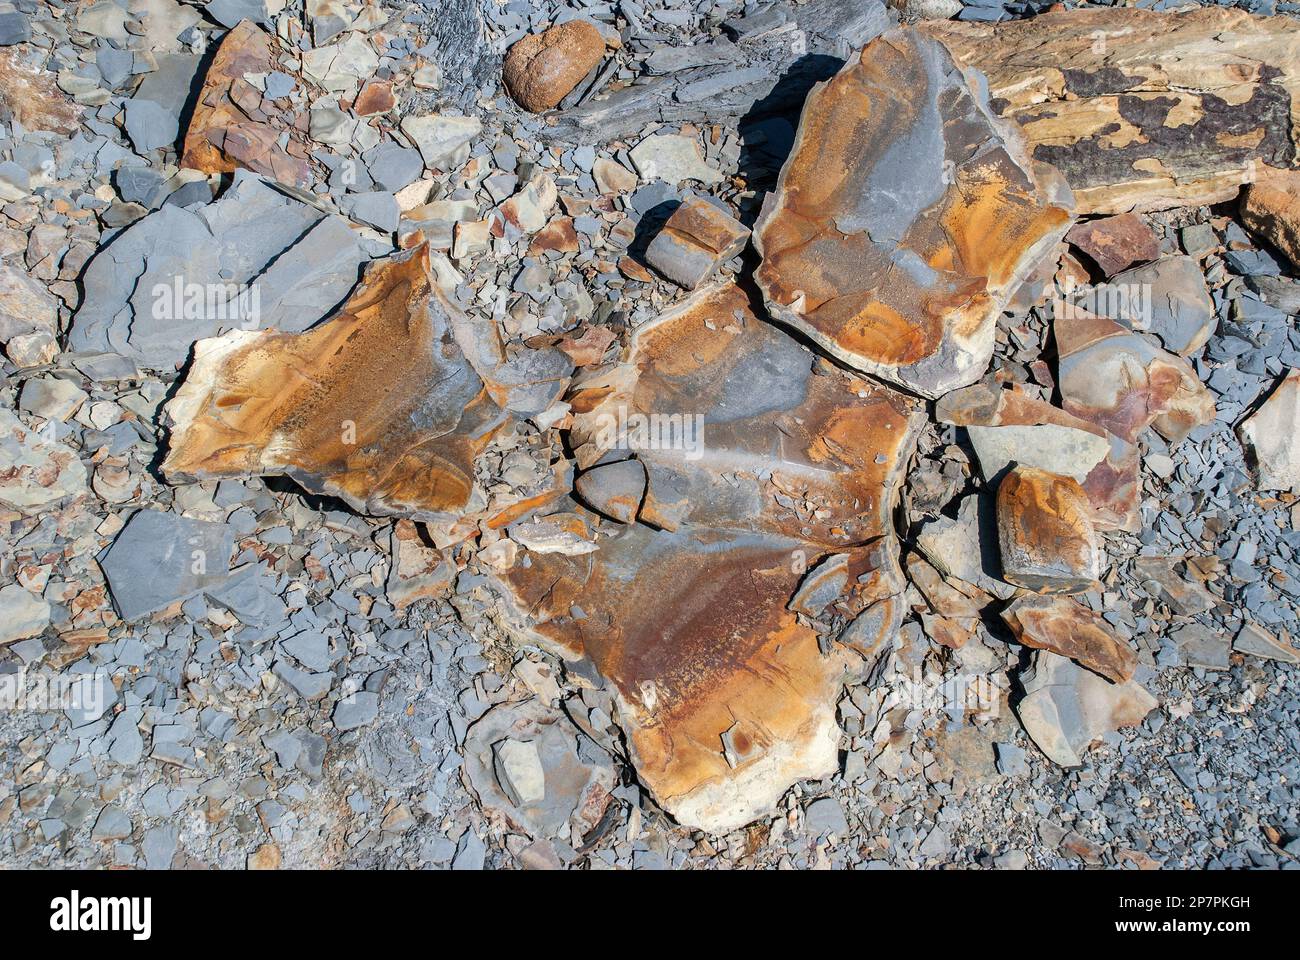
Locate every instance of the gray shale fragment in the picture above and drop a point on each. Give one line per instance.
(160, 559)
(255, 258)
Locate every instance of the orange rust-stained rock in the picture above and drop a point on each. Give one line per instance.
(906, 218)
(375, 97)
(377, 405)
(1270, 207)
(769, 513)
(696, 239)
(1069, 629)
(1045, 533)
(558, 235)
(541, 69)
(1143, 110)
(234, 126)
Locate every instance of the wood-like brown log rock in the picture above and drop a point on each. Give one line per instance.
(1142, 110)
(1045, 533)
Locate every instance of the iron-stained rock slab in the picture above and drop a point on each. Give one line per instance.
(905, 218)
(1070, 629)
(1045, 532)
(377, 406)
(786, 490)
(235, 125)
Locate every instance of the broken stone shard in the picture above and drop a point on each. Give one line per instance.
(672, 158)
(1123, 382)
(233, 125)
(1273, 434)
(1009, 426)
(1258, 642)
(541, 69)
(1142, 110)
(253, 259)
(696, 239)
(905, 218)
(1066, 707)
(35, 473)
(377, 405)
(1069, 629)
(725, 696)
(160, 559)
(963, 547)
(418, 571)
(1045, 532)
(528, 765)
(22, 614)
(1167, 298)
(443, 141)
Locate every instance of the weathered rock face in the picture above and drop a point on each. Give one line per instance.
(774, 500)
(541, 69)
(1069, 629)
(377, 405)
(30, 94)
(1273, 434)
(1271, 208)
(234, 125)
(1142, 110)
(1067, 707)
(905, 218)
(1045, 533)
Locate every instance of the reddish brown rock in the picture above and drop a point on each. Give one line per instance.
(1122, 381)
(776, 499)
(1115, 243)
(377, 405)
(30, 94)
(1143, 110)
(234, 126)
(375, 97)
(541, 69)
(906, 217)
(1045, 533)
(1069, 629)
(695, 240)
(558, 235)
(1270, 207)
